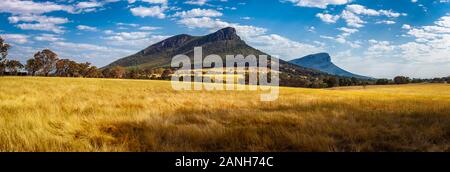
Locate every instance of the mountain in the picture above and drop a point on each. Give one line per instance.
(322, 62)
(223, 42)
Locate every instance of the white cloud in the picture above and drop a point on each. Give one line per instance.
(432, 43)
(389, 22)
(379, 48)
(426, 56)
(21, 7)
(216, 24)
(37, 18)
(155, 11)
(246, 18)
(348, 31)
(198, 13)
(81, 52)
(328, 18)
(318, 3)
(48, 37)
(127, 24)
(359, 9)
(15, 38)
(196, 2)
(282, 47)
(352, 19)
(44, 23)
(41, 27)
(86, 28)
(91, 5)
(135, 40)
(406, 26)
(156, 1)
(342, 38)
(352, 15)
(88, 4)
(149, 28)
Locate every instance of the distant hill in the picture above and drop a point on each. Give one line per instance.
(322, 62)
(223, 42)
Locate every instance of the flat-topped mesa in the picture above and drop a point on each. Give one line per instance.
(318, 58)
(227, 33)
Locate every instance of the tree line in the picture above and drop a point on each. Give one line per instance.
(406, 80)
(48, 63)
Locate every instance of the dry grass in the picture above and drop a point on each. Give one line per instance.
(64, 114)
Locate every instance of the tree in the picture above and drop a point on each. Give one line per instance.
(3, 54)
(48, 59)
(133, 73)
(33, 66)
(401, 80)
(332, 82)
(83, 68)
(93, 72)
(13, 66)
(62, 67)
(166, 74)
(116, 72)
(382, 81)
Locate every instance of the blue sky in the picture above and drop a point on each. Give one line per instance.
(378, 38)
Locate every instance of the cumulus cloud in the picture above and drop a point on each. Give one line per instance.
(15, 38)
(48, 38)
(149, 28)
(198, 13)
(432, 43)
(21, 7)
(38, 22)
(86, 28)
(352, 15)
(88, 4)
(388, 22)
(406, 26)
(154, 11)
(41, 27)
(328, 18)
(426, 55)
(342, 38)
(81, 52)
(135, 40)
(352, 19)
(318, 3)
(37, 18)
(156, 1)
(196, 2)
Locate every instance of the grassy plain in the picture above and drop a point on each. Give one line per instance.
(75, 114)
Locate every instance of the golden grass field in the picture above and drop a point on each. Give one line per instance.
(75, 114)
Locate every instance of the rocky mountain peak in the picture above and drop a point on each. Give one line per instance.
(318, 58)
(228, 33)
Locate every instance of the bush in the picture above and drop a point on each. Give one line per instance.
(401, 80)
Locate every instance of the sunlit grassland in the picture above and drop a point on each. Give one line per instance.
(74, 114)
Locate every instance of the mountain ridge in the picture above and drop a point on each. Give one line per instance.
(222, 42)
(322, 62)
